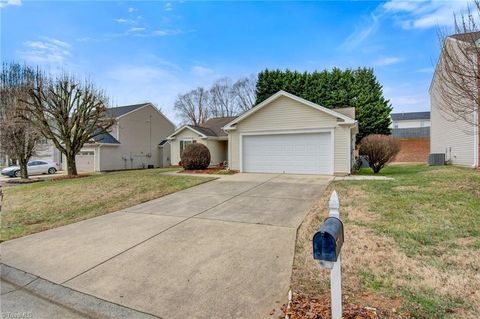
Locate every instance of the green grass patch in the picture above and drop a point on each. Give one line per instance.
(39, 206)
(425, 209)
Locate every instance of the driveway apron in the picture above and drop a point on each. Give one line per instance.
(223, 249)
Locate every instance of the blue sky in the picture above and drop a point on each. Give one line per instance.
(151, 51)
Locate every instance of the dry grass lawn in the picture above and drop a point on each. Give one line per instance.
(39, 206)
(412, 244)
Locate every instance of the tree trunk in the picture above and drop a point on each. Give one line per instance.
(23, 169)
(71, 165)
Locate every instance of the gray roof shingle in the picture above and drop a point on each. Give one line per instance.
(115, 112)
(410, 116)
(213, 126)
(105, 138)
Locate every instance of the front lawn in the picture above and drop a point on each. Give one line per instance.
(39, 206)
(412, 244)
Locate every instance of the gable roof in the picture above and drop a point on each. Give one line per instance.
(346, 119)
(410, 116)
(122, 110)
(213, 127)
(105, 138)
(470, 37)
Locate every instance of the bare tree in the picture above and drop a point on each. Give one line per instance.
(68, 112)
(192, 107)
(18, 136)
(222, 99)
(244, 91)
(458, 70)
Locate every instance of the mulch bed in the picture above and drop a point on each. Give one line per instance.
(210, 170)
(307, 307)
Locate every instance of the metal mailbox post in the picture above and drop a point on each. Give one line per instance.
(327, 245)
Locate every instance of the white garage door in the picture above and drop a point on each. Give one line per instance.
(85, 161)
(288, 153)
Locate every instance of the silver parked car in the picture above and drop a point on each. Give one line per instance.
(33, 168)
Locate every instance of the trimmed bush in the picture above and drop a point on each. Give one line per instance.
(195, 156)
(379, 150)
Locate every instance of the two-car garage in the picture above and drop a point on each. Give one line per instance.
(300, 153)
(288, 134)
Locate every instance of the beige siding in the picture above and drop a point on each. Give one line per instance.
(185, 134)
(218, 151)
(285, 114)
(342, 150)
(139, 133)
(449, 135)
(454, 138)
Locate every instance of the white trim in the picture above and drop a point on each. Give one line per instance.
(172, 136)
(272, 98)
(475, 139)
(282, 132)
(350, 149)
(97, 168)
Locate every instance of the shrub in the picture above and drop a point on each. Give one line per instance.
(379, 150)
(195, 156)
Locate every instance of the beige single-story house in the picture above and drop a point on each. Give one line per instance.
(136, 140)
(283, 134)
(211, 134)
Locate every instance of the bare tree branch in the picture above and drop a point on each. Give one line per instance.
(457, 74)
(68, 112)
(245, 93)
(18, 136)
(192, 107)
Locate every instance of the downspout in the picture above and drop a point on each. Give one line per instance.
(476, 114)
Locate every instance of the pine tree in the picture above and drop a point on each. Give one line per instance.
(334, 89)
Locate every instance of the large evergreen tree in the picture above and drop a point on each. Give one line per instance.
(334, 89)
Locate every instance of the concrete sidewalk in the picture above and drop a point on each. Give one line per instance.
(222, 249)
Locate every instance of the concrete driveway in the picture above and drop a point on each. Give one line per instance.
(223, 249)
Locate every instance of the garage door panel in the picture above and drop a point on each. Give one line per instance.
(85, 161)
(288, 153)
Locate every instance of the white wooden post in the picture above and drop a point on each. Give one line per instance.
(336, 272)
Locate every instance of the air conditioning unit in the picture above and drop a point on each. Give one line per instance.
(436, 159)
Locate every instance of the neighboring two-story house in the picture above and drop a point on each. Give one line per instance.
(458, 137)
(136, 140)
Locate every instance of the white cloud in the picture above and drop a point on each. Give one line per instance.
(362, 32)
(387, 61)
(425, 14)
(168, 6)
(46, 51)
(165, 32)
(410, 102)
(407, 15)
(136, 29)
(4, 3)
(202, 71)
(429, 69)
(121, 20)
(131, 9)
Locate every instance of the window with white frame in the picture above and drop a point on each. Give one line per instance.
(184, 143)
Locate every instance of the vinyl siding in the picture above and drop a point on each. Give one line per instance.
(218, 151)
(175, 144)
(138, 141)
(453, 137)
(285, 114)
(342, 150)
